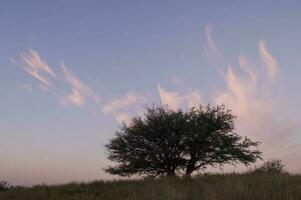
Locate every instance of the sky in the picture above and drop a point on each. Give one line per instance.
(72, 71)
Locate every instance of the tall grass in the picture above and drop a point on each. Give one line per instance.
(208, 187)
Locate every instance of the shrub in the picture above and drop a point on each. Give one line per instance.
(4, 185)
(271, 167)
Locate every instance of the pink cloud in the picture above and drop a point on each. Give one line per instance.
(176, 100)
(269, 60)
(80, 92)
(37, 67)
(250, 97)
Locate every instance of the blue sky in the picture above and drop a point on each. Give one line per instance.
(71, 71)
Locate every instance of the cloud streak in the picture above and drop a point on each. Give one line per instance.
(37, 67)
(175, 100)
(27, 87)
(120, 108)
(79, 91)
(123, 102)
(249, 96)
(211, 47)
(269, 61)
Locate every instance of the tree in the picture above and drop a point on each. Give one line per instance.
(170, 142)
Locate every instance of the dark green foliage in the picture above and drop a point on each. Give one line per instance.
(169, 142)
(209, 187)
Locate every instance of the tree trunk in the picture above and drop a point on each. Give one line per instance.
(188, 172)
(191, 164)
(171, 173)
(190, 168)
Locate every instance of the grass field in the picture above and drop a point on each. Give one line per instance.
(208, 187)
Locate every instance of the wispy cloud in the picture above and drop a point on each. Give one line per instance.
(176, 100)
(122, 117)
(80, 92)
(124, 102)
(244, 97)
(194, 98)
(210, 47)
(269, 60)
(37, 67)
(249, 68)
(169, 98)
(102, 88)
(27, 87)
(249, 96)
(120, 108)
(42, 87)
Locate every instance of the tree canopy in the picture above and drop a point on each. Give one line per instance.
(169, 142)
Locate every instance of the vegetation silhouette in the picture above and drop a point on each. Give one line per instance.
(166, 142)
(273, 166)
(210, 187)
(4, 186)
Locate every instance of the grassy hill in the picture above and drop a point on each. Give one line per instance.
(207, 187)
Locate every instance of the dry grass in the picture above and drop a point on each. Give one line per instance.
(209, 187)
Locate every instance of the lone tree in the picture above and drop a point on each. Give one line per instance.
(170, 142)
